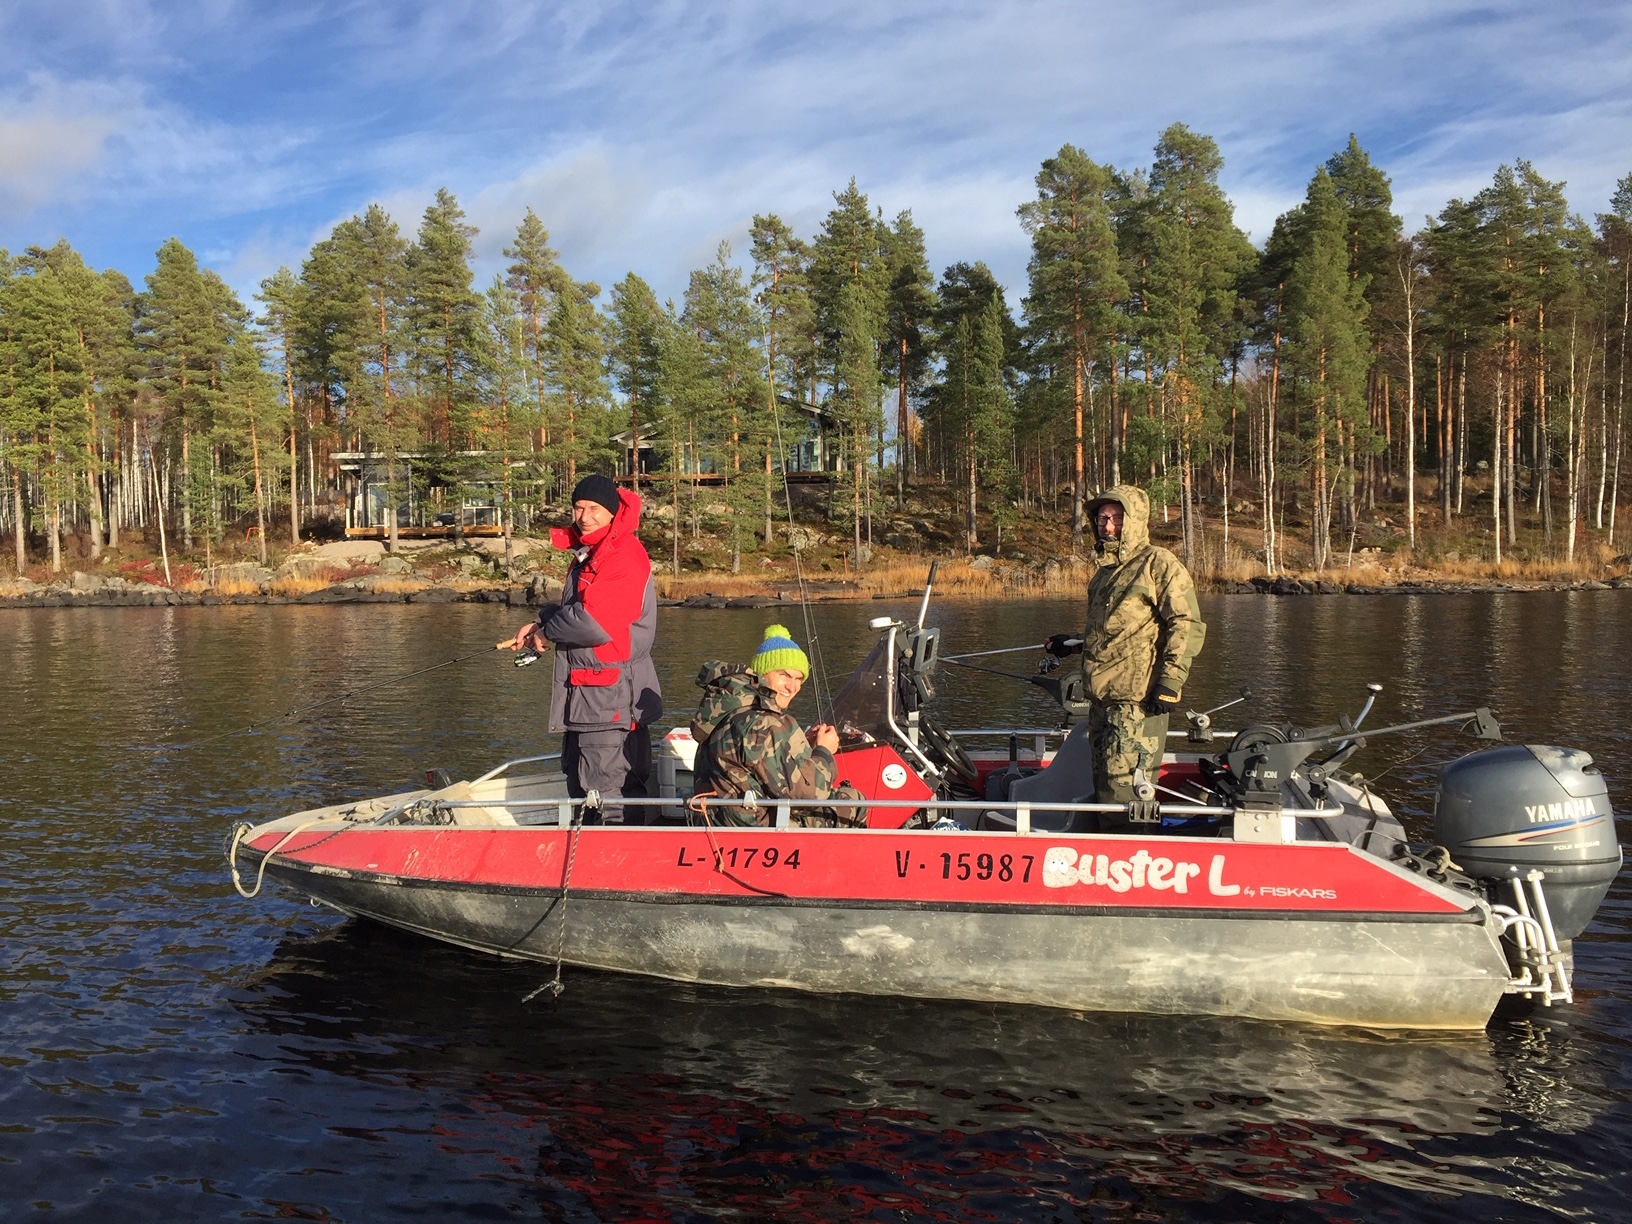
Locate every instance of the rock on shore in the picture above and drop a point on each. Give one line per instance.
(82, 590)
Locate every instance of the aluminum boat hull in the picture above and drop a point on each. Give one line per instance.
(892, 913)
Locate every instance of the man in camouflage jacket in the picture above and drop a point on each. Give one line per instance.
(1144, 631)
(747, 741)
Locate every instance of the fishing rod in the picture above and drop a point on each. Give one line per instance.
(981, 654)
(819, 671)
(980, 667)
(297, 711)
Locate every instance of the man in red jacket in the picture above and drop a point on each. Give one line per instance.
(605, 695)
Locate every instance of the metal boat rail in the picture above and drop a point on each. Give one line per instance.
(427, 808)
(504, 766)
(1050, 732)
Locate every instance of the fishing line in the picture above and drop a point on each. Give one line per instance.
(820, 669)
(298, 711)
(1395, 764)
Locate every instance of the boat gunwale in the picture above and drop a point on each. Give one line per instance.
(1465, 902)
(1475, 914)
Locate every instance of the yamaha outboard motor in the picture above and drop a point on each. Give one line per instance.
(1507, 811)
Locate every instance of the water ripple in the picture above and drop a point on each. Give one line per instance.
(173, 1052)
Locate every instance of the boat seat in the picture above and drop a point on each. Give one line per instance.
(1070, 776)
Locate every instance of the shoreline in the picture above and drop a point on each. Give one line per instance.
(104, 594)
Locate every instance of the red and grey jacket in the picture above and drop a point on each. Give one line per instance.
(603, 629)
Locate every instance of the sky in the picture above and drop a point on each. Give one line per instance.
(644, 134)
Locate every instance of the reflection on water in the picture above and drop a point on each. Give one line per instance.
(840, 1102)
(173, 1052)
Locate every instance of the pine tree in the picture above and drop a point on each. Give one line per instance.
(720, 312)
(910, 306)
(282, 296)
(970, 406)
(1326, 318)
(1197, 259)
(444, 321)
(849, 281)
(99, 304)
(634, 354)
(16, 425)
(1075, 284)
(782, 278)
(509, 409)
(575, 377)
(177, 333)
(683, 401)
(856, 390)
(1615, 235)
(247, 410)
(377, 283)
(1372, 237)
(48, 390)
(535, 276)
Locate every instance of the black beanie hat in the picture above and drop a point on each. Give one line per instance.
(599, 489)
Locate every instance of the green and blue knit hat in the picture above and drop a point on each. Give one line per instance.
(779, 652)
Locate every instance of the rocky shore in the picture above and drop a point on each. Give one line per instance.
(362, 572)
(93, 591)
(84, 590)
(1287, 585)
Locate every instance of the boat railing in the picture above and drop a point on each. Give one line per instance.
(568, 810)
(1040, 736)
(504, 767)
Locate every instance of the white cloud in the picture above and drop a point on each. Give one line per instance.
(642, 134)
(53, 134)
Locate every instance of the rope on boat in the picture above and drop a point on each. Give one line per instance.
(555, 986)
(699, 803)
(260, 875)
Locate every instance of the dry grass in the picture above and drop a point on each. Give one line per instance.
(292, 587)
(959, 578)
(232, 586)
(954, 578)
(709, 583)
(1438, 560)
(1530, 570)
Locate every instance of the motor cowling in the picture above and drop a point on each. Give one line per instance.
(1507, 811)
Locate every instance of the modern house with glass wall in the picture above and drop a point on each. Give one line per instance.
(448, 494)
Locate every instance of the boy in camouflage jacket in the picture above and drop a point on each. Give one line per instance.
(747, 741)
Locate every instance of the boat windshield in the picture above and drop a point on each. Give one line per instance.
(860, 707)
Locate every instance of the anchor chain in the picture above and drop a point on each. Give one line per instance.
(554, 987)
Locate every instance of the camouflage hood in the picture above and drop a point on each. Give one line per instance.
(1144, 623)
(1135, 503)
(727, 688)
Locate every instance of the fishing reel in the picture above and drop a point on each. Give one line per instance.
(528, 657)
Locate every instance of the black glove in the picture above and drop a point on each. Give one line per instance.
(1064, 644)
(1163, 701)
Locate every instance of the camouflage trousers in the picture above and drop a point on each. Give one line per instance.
(1125, 738)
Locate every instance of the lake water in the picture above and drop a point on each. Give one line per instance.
(171, 1051)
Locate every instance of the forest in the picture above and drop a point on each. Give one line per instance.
(1461, 387)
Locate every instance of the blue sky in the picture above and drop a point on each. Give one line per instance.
(644, 134)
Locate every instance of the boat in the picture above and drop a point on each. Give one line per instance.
(1266, 882)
